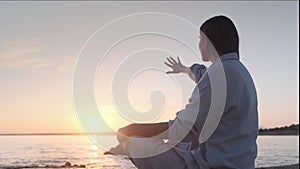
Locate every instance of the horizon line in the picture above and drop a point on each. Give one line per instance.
(54, 133)
(92, 133)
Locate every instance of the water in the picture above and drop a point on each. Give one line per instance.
(277, 150)
(56, 150)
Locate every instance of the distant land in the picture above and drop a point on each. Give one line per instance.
(286, 130)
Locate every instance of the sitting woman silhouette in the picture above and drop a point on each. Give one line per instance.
(196, 139)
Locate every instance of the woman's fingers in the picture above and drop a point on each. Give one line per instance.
(168, 64)
(174, 61)
(170, 72)
(170, 61)
(178, 59)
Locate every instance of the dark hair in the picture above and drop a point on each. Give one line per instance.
(222, 33)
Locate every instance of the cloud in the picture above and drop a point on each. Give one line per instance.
(66, 64)
(32, 55)
(20, 47)
(20, 53)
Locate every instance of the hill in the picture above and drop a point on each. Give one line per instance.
(286, 130)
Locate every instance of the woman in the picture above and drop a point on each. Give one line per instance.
(218, 127)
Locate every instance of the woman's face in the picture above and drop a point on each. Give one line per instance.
(203, 47)
(207, 50)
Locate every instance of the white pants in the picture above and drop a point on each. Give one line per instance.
(151, 153)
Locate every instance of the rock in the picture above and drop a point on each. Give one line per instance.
(82, 166)
(67, 165)
(108, 153)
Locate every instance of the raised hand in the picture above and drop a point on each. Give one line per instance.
(177, 66)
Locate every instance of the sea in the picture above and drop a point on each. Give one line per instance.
(38, 151)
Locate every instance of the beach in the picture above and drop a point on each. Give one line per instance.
(69, 165)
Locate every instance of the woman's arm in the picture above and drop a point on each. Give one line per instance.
(143, 130)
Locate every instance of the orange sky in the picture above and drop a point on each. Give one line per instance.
(40, 43)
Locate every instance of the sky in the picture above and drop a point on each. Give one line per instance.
(42, 42)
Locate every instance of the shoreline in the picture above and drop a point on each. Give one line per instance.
(69, 165)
